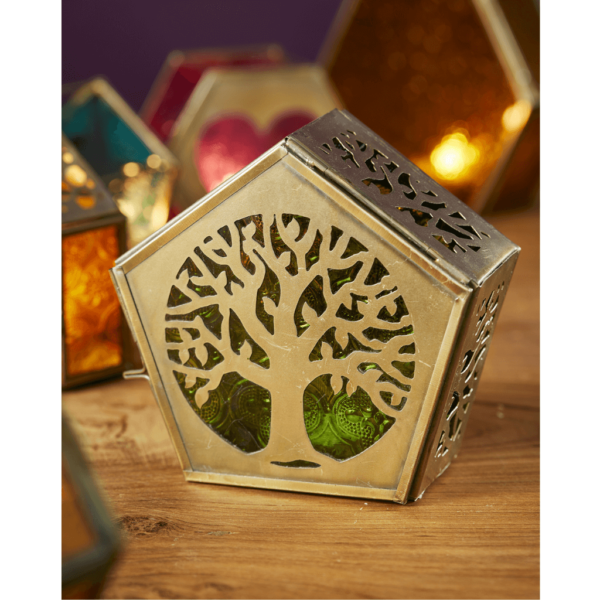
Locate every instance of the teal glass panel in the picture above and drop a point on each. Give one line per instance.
(102, 136)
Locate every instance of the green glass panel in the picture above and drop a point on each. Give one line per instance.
(339, 425)
(172, 335)
(239, 411)
(177, 297)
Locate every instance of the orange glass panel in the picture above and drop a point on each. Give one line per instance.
(77, 535)
(424, 76)
(91, 312)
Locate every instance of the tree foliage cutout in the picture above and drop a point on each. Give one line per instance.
(459, 402)
(389, 180)
(273, 303)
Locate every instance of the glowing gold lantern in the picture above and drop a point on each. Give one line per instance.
(320, 321)
(235, 115)
(95, 341)
(134, 164)
(450, 88)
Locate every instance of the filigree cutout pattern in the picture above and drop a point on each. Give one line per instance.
(350, 325)
(456, 236)
(457, 405)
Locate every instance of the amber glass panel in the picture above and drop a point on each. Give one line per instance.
(92, 319)
(77, 535)
(425, 77)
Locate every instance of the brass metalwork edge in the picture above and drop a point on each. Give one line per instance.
(419, 483)
(139, 334)
(290, 485)
(173, 228)
(434, 398)
(308, 158)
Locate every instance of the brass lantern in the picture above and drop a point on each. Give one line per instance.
(319, 322)
(95, 341)
(134, 164)
(235, 115)
(456, 85)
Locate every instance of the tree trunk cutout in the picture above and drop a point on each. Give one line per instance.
(288, 323)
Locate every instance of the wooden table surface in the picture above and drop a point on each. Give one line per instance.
(474, 534)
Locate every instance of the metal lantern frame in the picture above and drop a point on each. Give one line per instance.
(76, 220)
(263, 54)
(453, 268)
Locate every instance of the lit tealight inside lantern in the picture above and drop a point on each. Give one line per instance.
(452, 90)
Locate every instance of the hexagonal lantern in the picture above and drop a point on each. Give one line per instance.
(235, 115)
(319, 322)
(134, 164)
(464, 73)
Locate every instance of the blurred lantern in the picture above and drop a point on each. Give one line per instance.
(183, 70)
(90, 540)
(95, 342)
(135, 165)
(455, 86)
(235, 115)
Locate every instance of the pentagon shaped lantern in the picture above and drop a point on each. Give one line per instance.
(319, 322)
(95, 341)
(183, 69)
(235, 115)
(134, 164)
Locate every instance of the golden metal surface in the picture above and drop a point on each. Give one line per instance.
(301, 191)
(273, 283)
(450, 422)
(259, 96)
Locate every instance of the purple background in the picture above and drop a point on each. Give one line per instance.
(127, 41)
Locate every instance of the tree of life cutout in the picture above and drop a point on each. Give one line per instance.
(272, 298)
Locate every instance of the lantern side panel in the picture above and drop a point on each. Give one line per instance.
(346, 151)
(290, 287)
(91, 311)
(453, 412)
(136, 167)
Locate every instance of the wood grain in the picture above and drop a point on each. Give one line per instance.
(474, 534)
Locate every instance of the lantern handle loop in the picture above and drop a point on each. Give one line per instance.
(136, 374)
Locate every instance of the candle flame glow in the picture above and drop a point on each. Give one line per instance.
(454, 156)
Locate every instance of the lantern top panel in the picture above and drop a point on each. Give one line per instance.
(84, 196)
(107, 132)
(384, 181)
